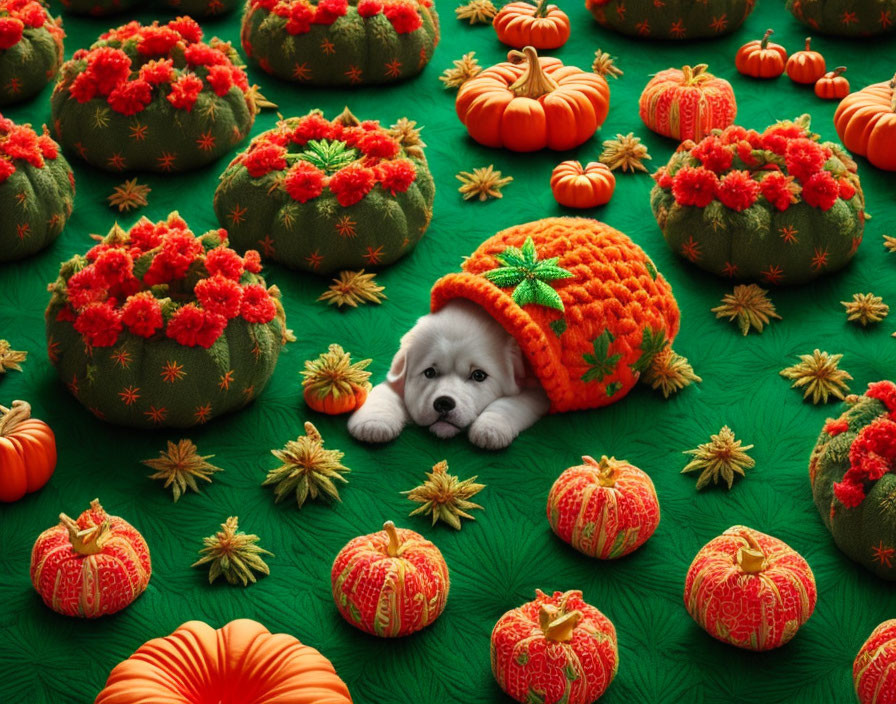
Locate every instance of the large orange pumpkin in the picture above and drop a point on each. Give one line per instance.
(533, 104)
(749, 589)
(543, 26)
(761, 58)
(687, 103)
(832, 86)
(576, 186)
(90, 567)
(391, 583)
(605, 509)
(874, 670)
(241, 662)
(27, 452)
(866, 123)
(805, 66)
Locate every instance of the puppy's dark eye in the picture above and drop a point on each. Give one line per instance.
(430, 373)
(478, 375)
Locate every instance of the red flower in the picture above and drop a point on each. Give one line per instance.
(257, 306)
(191, 326)
(266, 4)
(202, 54)
(99, 324)
(6, 124)
(713, 155)
(219, 295)
(304, 181)
(403, 16)
(48, 148)
(738, 191)
(144, 234)
(849, 494)
(220, 79)
(252, 261)
(662, 178)
(378, 144)
(10, 32)
(835, 427)
(351, 183)
(130, 97)
(328, 11)
(83, 88)
(184, 91)
(847, 190)
(777, 137)
(21, 143)
(157, 71)
(178, 251)
(142, 314)
(300, 17)
(157, 41)
(745, 153)
(108, 67)
(187, 27)
(885, 392)
(113, 266)
(223, 261)
(369, 8)
(7, 169)
(821, 191)
(396, 176)
(33, 15)
(692, 186)
(803, 158)
(263, 159)
(239, 78)
(779, 190)
(733, 134)
(176, 222)
(313, 126)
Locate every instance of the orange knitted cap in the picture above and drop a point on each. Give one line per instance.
(584, 302)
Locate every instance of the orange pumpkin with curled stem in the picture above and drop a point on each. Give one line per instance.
(761, 58)
(529, 103)
(866, 123)
(576, 186)
(832, 86)
(333, 384)
(27, 452)
(543, 26)
(806, 66)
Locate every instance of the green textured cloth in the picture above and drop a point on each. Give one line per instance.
(498, 561)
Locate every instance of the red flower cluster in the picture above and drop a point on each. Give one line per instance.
(871, 456)
(885, 392)
(261, 158)
(694, 186)
(404, 15)
(779, 190)
(304, 181)
(106, 297)
(184, 91)
(21, 142)
(16, 16)
(737, 190)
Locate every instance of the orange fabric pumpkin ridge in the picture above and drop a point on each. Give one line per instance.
(576, 186)
(27, 452)
(543, 26)
(866, 123)
(761, 58)
(805, 66)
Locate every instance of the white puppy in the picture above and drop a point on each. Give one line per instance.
(455, 369)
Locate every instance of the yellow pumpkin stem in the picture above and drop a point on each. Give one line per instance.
(394, 546)
(764, 43)
(89, 541)
(556, 624)
(751, 561)
(534, 82)
(11, 417)
(541, 9)
(607, 469)
(808, 44)
(695, 75)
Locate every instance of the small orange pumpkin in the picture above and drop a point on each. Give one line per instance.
(866, 123)
(333, 384)
(832, 86)
(761, 58)
(874, 669)
(806, 66)
(576, 186)
(27, 452)
(529, 103)
(543, 26)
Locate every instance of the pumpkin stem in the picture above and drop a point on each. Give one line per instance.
(695, 75)
(607, 469)
(556, 624)
(89, 541)
(541, 8)
(394, 542)
(751, 560)
(764, 43)
(534, 82)
(836, 72)
(808, 44)
(11, 417)
(893, 94)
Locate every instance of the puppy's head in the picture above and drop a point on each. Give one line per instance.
(452, 364)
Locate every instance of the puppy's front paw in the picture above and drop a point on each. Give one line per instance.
(373, 429)
(491, 431)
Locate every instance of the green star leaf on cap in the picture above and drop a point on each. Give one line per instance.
(529, 275)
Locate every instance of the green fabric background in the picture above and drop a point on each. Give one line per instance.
(498, 561)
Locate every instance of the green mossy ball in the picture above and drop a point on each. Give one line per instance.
(307, 227)
(865, 531)
(202, 8)
(99, 8)
(351, 50)
(193, 8)
(846, 18)
(671, 19)
(33, 61)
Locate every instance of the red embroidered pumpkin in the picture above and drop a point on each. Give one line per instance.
(519, 24)
(805, 66)
(761, 58)
(749, 589)
(554, 650)
(604, 509)
(874, 671)
(91, 567)
(391, 583)
(687, 103)
(241, 662)
(832, 86)
(866, 123)
(576, 186)
(27, 452)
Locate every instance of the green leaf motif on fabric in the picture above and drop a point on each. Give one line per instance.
(570, 673)
(327, 156)
(613, 389)
(522, 658)
(534, 697)
(623, 539)
(588, 530)
(602, 363)
(559, 326)
(356, 615)
(530, 275)
(651, 268)
(652, 343)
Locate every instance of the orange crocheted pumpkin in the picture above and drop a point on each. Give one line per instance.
(91, 567)
(533, 104)
(687, 103)
(749, 589)
(554, 650)
(241, 662)
(866, 123)
(27, 452)
(576, 186)
(543, 26)
(761, 58)
(391, 583)
(874, 670)
(805, 66)
(585, 303)
(832, 86)
(604, 509)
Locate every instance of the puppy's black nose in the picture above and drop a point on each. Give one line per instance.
(443, 404)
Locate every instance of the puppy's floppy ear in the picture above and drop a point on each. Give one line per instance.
(396, 374)
(516, 367)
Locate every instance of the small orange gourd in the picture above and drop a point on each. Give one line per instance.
(576, 186)
(520, 24)
(27, 452)
(832, 86)
(761, 58)
(806, 66)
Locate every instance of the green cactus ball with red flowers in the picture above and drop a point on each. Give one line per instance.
(30, 49)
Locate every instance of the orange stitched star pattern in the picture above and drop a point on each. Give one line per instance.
(818, 376)
(749, 306)
(180, 466)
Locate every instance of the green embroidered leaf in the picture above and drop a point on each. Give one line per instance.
(526, 292)
(522, 658)
(623, 539)
(652, 343)
(558, 326)
(531, 276)
(504, 278)
(356, 615)
(328, 156)
(613, 388)
(651, 268)
(513, 257)
(534, 697)
(602, 363)
(547, 296)
(570, 673)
